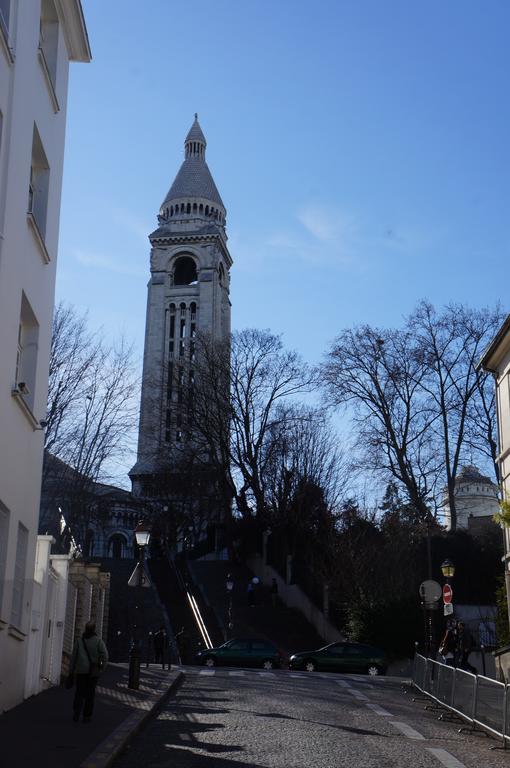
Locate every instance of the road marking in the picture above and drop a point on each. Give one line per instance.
(299, 677)
(379, 710)
(266, 674)
(207, 672)
(239, 673)
(357, 694)
(444, 757)
(407, 730)
(343, 683)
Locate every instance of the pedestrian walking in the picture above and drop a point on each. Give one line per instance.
(448, 646)
(464, 648)
(183, 644)
(160, 643)
(274, 592)
(89, 658)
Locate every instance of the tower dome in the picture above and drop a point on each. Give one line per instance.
(193, 192)
(476, 499)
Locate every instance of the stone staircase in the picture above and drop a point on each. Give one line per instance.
(173, 582)
(286, 627)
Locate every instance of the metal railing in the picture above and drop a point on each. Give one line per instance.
(479, 700)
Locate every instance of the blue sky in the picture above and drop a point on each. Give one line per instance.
(361, 149)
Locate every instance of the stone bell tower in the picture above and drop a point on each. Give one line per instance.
(188, 293)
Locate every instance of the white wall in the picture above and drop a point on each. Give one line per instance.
(27, 268)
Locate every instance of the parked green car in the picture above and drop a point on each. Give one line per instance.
(240, 652)
(342, 657)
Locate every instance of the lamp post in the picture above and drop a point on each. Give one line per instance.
(229, 584)
(138, 579)
(448, 571)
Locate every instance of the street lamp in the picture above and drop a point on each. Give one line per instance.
(229, 584)
(448, 569)
(138, 579)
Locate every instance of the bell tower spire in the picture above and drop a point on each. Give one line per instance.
(195, 143)
(193, 191)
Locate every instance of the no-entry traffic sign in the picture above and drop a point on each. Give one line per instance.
(447, 594)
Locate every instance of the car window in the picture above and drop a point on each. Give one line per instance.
(260, 645)
(355, 650)
(239, 645)
(371, 651)
(336, 650)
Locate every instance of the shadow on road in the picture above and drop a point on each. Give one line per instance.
(362, 731)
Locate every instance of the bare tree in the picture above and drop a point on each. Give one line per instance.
(420, 406)
(449, 344)
(238, 392)
(375, 374)
(91, 414)
(302, 448)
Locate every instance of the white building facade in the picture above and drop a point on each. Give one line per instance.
(496, 360)
(38, 39)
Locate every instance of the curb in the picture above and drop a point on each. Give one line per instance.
(104, 755)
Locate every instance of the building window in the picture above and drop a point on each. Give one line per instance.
(26, 356)
(185, 271)
(18, 585)
(4, 532)
(117, 546)
(39, 184)
(48, 40)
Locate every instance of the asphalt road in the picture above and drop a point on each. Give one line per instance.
(225, 718)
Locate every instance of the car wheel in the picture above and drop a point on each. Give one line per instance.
(310, 665)
(268, 664)
(373, 670)
(209, 661)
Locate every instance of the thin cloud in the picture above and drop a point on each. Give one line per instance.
(133, 224)
(324, 234)
(99, 261)
(327, 224)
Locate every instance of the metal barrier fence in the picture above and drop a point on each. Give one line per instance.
(479, 700)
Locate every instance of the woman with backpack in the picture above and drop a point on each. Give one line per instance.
(89, 658)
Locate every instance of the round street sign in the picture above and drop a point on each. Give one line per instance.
(430, 593)
(447, 594)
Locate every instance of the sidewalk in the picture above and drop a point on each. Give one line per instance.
(40, 732)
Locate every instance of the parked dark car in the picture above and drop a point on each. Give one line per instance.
(342, 657)
(242, 652)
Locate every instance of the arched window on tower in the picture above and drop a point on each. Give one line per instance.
(117, 546)
(185, 271)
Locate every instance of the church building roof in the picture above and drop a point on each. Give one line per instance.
(194, 178)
